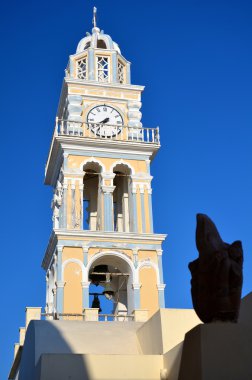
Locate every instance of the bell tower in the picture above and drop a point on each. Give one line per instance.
(99, 168)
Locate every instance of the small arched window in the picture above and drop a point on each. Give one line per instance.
(101, 44)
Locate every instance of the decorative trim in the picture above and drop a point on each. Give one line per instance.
(122, 162)
(90, 160)
(129, 87)
(76, 261)
(149, 263)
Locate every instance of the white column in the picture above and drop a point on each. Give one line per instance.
(108, 208)
(85, 294)
(73, 211)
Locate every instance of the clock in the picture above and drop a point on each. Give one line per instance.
(104, 121)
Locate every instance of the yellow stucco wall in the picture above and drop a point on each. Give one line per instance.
(72, 253)
(105, 92)
(76, 162)
(72, 289)
(93, 251)
(143, 255)
(148, 291)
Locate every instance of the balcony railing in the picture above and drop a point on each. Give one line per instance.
(107, 131)
(120, 317)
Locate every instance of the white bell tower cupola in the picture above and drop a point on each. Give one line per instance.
(98, 58)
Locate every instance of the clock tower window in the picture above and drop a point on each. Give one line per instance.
(121, 72)
(103, 69)
(82, 68)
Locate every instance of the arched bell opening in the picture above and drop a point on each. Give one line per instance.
(122, 198)
(91, 197)
(111, 286)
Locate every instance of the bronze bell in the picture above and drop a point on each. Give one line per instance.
(97, 278)
(108, 291)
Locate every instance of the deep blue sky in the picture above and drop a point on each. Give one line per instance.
(195, 59)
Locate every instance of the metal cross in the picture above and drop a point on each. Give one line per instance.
(94, 16)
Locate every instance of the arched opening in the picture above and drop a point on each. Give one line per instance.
(122, 198)
(91, 197)
(101, 44)
(110, 273)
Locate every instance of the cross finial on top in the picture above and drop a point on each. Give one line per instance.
(94, 16)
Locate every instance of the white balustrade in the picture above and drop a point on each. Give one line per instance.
(107, 131)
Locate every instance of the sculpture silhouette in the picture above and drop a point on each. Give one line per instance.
(216, 275)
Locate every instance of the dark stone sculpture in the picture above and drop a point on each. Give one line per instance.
(216, 275)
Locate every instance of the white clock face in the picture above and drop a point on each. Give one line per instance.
(105, 121)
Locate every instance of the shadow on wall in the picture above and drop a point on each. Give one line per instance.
(47, 355)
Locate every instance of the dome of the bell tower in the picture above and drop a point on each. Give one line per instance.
(97, 40)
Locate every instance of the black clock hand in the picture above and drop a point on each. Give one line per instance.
(104, 121)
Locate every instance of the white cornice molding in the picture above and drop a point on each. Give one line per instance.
(81, 143)
(127, 238)
(111, 235)
(65, 143)
(104, 85)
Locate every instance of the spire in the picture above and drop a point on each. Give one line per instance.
(94, 17)
(94, 22)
